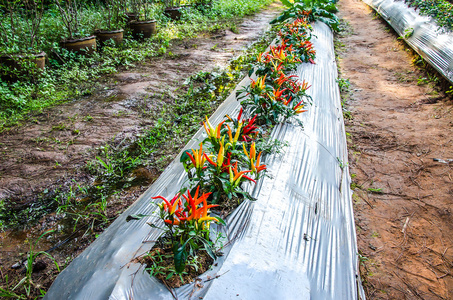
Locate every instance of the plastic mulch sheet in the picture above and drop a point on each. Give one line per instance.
(434, 44)
(297, 241)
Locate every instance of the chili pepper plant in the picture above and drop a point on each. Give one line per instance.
(217, 170)
(187, 221)
(311, 11)
(298, 35)
(275, 96)
(225, 166)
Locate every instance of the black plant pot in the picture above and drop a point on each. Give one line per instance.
(143, 29)
(173, 13)
(15, 63)
(84, 45)
(105, 35)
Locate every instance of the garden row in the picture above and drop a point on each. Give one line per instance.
(219, 172)
(228, 158)
(421, 33)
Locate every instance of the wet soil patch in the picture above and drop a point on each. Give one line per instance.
(399, 127)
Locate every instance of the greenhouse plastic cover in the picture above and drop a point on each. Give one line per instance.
(297, 241)
(434, 44)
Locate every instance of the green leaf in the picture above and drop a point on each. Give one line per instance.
(180, 257)
(287, 3)
(184, 157)
(169, 276)
(102, 162)
(208, 247)
(210, 252)
(215, 197)
(135, 217)
(221, 221)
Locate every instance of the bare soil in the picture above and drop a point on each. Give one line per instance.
(51, 149)
(165, 259)
(403, 195)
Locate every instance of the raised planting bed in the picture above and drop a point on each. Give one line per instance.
(421, 33)
(297, 240)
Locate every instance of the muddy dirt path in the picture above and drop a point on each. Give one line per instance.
(403, 198)
(53, 147)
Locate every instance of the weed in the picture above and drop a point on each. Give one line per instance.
(59, 127)
(347, 115)
(356, 198)
(374, 190)
(339, 46)
(450, 91)
(354, 186)
(408, 33)
(343, 84)
(404, 77)
(157, 269)
(341, 163)
(234, 29)
(26, 285)
(422, 80)
(362, 258)
(345, 28)
(419, 61)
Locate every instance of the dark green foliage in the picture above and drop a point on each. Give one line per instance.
(321, 10)
(180, 256)
(440, 10)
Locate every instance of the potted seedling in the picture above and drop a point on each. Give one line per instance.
(202, 5)
(143, 26)
(173, 9)
(20, 35)
(114, 12)
(75, 40)
(132, 10)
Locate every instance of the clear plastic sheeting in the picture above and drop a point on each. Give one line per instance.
(434, 44)
(297, 241)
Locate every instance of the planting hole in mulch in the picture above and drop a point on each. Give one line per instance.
(160, 263)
